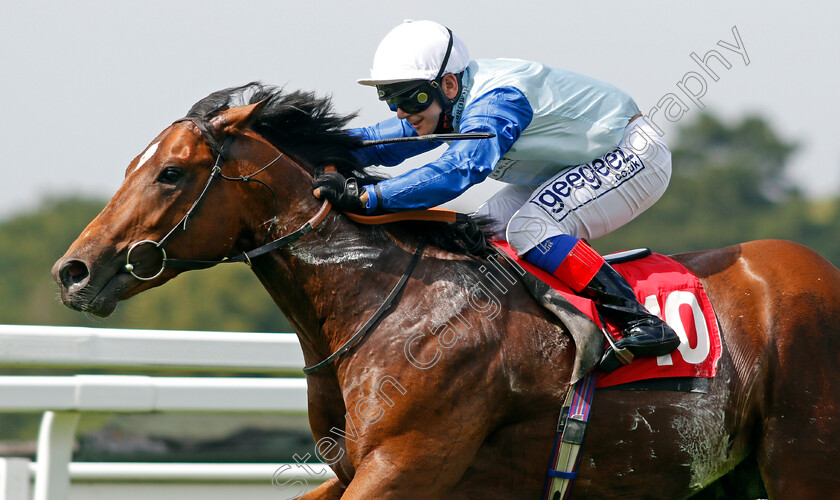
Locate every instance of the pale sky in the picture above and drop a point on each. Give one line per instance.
(88, 84)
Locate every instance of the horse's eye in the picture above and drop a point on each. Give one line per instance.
(170, 175)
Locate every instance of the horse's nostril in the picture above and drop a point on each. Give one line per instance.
(74, 272)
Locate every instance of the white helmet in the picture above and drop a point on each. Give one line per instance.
(416, 50)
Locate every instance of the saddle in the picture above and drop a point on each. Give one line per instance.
(664, 286)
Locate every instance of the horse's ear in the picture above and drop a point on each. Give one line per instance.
(234, 120)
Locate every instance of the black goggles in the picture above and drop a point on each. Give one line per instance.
(411, 98)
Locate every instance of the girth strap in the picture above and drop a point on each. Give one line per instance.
(571, 431)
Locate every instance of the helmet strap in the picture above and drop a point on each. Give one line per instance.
(445, 121)
(445, 124)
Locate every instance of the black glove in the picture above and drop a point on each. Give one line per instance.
(343, 193)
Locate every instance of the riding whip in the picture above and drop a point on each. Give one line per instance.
(428, 137)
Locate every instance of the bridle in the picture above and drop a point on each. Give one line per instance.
(220, 150)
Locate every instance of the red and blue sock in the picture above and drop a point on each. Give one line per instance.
(569, 259)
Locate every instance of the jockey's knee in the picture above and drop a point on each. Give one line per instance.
(525, 232)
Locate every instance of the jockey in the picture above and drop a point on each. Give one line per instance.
(578, 157)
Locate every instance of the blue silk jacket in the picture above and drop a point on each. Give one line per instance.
(545, 120)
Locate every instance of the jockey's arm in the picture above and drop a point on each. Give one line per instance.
(504, 112)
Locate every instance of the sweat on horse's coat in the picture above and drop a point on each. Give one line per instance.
(480, 423)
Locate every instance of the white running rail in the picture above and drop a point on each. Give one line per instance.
(62, 399)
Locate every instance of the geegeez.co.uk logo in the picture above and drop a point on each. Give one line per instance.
(583, 183)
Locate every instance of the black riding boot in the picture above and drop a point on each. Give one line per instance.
(643, 334)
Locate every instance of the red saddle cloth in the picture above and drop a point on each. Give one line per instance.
(668, 290)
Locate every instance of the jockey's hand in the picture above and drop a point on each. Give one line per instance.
(343, 193)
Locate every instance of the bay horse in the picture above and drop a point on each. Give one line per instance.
(455, 394)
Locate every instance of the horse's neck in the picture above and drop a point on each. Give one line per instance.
(331, 280)
(327, 282)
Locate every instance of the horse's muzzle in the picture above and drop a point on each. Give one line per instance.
(79, 292)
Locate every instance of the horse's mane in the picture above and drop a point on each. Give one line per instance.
(307, 128)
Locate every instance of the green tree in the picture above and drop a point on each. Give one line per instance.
(728, 186)
(227, 298)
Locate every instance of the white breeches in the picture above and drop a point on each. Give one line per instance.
(588, 200)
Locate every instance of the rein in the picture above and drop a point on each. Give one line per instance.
(312, 223)
(432, 214)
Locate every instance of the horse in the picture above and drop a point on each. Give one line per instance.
(454, 392)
